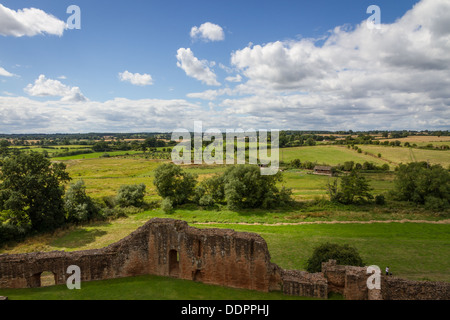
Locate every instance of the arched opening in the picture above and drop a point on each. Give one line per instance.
(47, 279)
(174, 263)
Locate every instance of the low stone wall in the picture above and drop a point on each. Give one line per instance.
(393, 288)
(302, 283)
(352, 283)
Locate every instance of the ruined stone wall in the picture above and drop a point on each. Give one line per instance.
(167, 247)
(161, 247)
(393, 288)
(304, 284)
(352, 283)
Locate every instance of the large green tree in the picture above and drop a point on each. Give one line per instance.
(422, 183)
(353, 188)
(173, 183)
(245, 187)
(32, 190)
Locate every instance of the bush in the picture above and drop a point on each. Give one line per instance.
(11, 232)
(380, 200)
(167, 205)
(131, 195)
(206, 201)
(78, 205)
(343, 254)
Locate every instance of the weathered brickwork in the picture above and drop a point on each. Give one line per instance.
(171, 248)
(352, 283)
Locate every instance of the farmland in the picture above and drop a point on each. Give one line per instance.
(412, 240)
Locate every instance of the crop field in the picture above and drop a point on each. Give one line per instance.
(330, 155)
(397, 155)
(422, 141)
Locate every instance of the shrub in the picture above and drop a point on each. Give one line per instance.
(343, 254)
(78, 205)
(206, 201)
(380, 200)
(167, 205)
(131, 195)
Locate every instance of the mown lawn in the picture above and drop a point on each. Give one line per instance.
(144, 288)
(412, 251)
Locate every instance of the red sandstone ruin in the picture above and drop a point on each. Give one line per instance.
(171, 248)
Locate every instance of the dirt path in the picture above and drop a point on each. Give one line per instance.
(327, 222)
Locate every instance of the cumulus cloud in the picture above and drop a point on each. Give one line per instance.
(44, 87)
(356, 76)
(136, 79)
(197, 69)
(22, 114)
(210, 94)
(208, 32)
(237, 78)
(5, 73)
(29, 22)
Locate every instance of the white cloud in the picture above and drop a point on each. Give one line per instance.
(208, 32)
(22, 114)
(136, 79)
(29, 22)
(358, 77)
(5, 73)
(210, 94)
(44, 87)
(195, 68)
(236, 78)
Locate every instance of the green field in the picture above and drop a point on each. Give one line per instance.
(417, 251)
(399, 155)
(144, 288)
(412, 250)
(328, 154)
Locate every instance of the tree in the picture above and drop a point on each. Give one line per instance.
(353, 188)
(101, 146)
(78, 205)
(131, 195)
(32, 190)
(343, 254)
(173, 183)
(421, 183)
(245, 187)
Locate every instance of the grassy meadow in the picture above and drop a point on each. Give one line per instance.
(414, 242)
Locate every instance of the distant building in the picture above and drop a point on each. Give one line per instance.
(323, 170)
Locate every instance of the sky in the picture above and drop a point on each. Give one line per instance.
(157, 66)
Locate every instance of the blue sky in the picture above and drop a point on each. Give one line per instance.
(276, 63)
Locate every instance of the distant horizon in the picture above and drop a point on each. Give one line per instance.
(169, 132)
